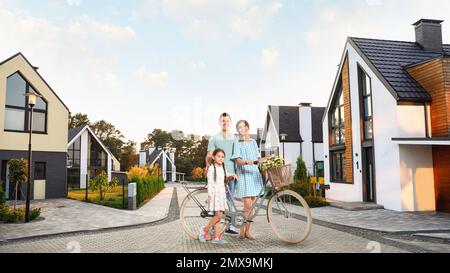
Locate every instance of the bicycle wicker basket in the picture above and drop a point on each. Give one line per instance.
(280, 176)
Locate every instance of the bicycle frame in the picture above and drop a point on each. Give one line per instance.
(237, 219)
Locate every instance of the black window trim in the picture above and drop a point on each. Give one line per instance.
(364, 117)
(26, 108)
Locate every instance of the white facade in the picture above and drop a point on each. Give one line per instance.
(309, 151)
(403, 174)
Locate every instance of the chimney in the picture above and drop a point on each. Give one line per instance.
(305, 104)
(429, 34)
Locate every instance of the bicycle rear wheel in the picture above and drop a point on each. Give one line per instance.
(194, 214)
(290, 217)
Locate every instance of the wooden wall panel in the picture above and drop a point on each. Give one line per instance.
(441, 168)
(348, 122)
(434, 76)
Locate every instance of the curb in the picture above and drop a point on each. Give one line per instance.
(164, 220)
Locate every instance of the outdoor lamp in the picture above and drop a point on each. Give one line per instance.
(283, 139)
(32, 97)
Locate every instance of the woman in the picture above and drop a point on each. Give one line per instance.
(250, 183)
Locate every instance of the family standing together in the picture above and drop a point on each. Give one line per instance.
(231, 172)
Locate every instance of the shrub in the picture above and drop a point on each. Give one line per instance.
(18, 173)
(316, 201)
(138, 172)
(301, 187)
(2, 194)
(4, 209)
(35, 213)
(147, 188)
(197, 173)
(301, 172)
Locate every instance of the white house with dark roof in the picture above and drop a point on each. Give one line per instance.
(165, 158)
(87, 157)
(293, 131)
(387, 123)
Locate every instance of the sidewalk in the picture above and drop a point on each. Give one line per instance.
(68, 216)
(386, 220)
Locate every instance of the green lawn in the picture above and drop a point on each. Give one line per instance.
(113, 198)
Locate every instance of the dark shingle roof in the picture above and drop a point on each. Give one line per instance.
(73, 132)
(289, 123)
(391, 57)
(317, 114)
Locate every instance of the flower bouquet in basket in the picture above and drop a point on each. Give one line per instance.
(279, 173)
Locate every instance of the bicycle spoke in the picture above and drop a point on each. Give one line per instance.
(194, 214)
(290, 217)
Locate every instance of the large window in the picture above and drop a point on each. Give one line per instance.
(16, 117)
(365, 90)
(338, 121)
(74, 153)
(337, 143)
(338, 162)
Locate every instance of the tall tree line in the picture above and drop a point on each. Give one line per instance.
(112, 138)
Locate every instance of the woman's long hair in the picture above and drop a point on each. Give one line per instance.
(223, 165)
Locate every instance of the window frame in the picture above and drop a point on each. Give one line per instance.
(26, 108)
(363, 94)
(45, 171)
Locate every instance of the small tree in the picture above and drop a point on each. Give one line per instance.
(18, 173)
(301, 172)
(101, 184)
(139, 172)
(197, 173)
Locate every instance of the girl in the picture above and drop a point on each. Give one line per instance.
(217, 178)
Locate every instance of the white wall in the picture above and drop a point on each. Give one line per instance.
(386, 152)
(109, 166)
(411, 121)
(306, 133)
(318, 151)
(142, 158)
(417, 178)
(292, 151)
(84, 158)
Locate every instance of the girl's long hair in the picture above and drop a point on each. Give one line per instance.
(223, 165)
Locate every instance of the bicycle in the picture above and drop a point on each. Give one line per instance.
(287, 212)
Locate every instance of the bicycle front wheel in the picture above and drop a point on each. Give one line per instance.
(290, 217)
(194, 214)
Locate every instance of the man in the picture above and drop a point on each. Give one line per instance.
(225, 141)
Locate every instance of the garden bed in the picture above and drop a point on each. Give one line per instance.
(114, 198)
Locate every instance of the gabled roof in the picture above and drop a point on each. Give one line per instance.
(75, 133)
(317, 114)
(389, 59)
(289, 122)
(35, 70)
(155, 155)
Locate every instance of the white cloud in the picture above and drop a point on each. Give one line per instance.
(156, 80)
(146, 9)
(210, 20)
(73, 2)
(269, 56)
(199, 65)
(106, 31)
(72, 57)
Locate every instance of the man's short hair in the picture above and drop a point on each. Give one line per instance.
(225, 115)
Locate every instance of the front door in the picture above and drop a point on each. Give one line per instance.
(369, 177)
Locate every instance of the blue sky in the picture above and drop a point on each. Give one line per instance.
(177, 64)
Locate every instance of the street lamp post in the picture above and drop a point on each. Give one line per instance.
(32, 97)
(283, 139)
